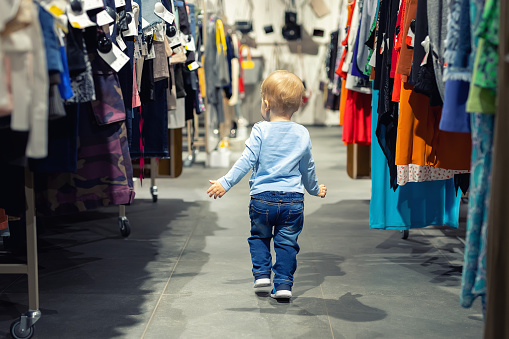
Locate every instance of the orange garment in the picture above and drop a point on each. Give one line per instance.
(342, 102)
(421, 142)
(339, 71)
(406, 53)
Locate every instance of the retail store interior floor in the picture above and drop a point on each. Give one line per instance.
(185, 270)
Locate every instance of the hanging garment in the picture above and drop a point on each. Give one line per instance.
(419, 140)
(62, 144)
(30, 85)
(437, 13)
(414, 205)
(342, 103)
(368, 22)
(454, 115)
(480, 99)
(487, 64)
(352, 35)
(473, 282)
(357, 119)
(387, 109)
(213, 92)
(103, 177)
(407, 52)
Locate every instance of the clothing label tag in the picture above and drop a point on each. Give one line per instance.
(175, 41)
(190, 46)
(120, 42)
(137, 54)
(410, 38)
(132, 29)
(103, 18)
(193, 66)
(119, 3)
(79, 21)
(372, 61)
(144, 49)
(426, 45)
(152, 53)
(159, 32)
(382, 48)
(163, 13)
(144, 23)
(115, 58)
(92, 4)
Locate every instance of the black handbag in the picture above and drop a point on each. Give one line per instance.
(291, 30)
(244, 26)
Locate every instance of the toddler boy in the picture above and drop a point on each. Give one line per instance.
(279, 153)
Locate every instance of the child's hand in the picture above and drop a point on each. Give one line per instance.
(323, 191)
(217, 190)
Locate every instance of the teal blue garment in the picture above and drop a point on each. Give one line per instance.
(413, 205)
(279, 152)
(473, 282)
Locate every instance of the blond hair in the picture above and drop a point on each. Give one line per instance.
(284, 91)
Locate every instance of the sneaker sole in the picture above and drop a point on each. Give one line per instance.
(262, 283)
(283, 294)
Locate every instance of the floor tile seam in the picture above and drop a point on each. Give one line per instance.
(168, 282)
(323, 299)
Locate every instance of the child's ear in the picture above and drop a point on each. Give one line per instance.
(266, 105)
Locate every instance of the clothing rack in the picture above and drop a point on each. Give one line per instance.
(194, 139)
(24, 326)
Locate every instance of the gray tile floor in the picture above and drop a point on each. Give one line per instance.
(185, 270)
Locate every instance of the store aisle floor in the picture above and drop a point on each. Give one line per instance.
(185, 270)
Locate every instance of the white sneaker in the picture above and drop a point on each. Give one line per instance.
(263, 282)
(281, 294)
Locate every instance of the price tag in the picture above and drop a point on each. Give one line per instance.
(103, 18)
(144, 49)
(144, 23)
(137, 54)
(132, 28)
(119, 3)
(115, 58)
(159, 33)
(175, 41)
(190, 46)
(163, 13)
(120, 42)
(79, 21)
(92, 4)
(193, 66)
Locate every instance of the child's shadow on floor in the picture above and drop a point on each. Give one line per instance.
(266, 294)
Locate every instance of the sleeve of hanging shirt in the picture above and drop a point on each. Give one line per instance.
(246, 162)
(307, 169)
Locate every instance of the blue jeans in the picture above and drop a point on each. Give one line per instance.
(285, 212)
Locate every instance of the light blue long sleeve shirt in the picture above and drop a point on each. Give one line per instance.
(279, 152)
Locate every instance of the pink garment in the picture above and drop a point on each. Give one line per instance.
(136, 95)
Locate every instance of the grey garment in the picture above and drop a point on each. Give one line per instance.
(177, 117)
(214, 93)
(458, 42)
(368, 15)
(83, 84)
(437, 30)
(211, 74)
(161, 70)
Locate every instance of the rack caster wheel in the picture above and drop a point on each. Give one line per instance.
(17, 333)
(154, 192)
(404, 234)
(125, 227)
